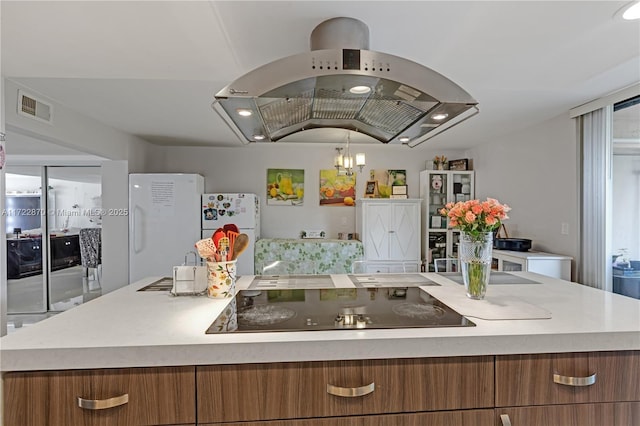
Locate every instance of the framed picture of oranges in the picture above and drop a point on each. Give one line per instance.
(337, 189)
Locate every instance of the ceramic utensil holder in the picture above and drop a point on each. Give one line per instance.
(221, 279)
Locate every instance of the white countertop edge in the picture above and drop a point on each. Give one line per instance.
(318, 350)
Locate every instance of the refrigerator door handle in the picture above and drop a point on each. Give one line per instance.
(137, 229)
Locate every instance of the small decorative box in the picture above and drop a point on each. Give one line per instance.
(312, 234)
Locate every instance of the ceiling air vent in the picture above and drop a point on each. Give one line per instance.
(32, 107)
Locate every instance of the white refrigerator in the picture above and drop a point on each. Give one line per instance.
(164, 221)
(242, 210)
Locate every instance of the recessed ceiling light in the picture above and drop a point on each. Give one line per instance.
(439, 116)
(632, 12)
(244, 112)
(360, 90)
(403, 139)
(258, 137)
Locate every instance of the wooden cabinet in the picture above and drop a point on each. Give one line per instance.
(135, 396)
(595, 388)
(259, 392)
(437, 188)
(551, 265)
(389, 229)
(511, 390)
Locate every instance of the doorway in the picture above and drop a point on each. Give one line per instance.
(625, 197)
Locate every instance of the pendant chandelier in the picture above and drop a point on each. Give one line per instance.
(345, 161)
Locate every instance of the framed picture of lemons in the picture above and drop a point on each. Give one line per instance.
(337, 189)
(285, 187)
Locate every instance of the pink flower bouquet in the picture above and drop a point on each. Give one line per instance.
(476, 217)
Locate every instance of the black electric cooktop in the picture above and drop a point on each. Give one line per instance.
(255, 311)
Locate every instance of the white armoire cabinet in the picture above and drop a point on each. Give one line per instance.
(437, 188)
(390, 233)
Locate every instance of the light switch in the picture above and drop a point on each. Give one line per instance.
(564, 228)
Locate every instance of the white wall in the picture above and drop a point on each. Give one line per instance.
(626, 204)
(535, 171)
(115, 228)
(74, 130)
(244, 169)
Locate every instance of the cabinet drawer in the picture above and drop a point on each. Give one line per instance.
(458, 418)
(627, 414)
(609, 414)
(334, 421)
(312, 389)
(156, 396)
(529, 379)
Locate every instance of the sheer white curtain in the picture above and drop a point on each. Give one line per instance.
(595, 266)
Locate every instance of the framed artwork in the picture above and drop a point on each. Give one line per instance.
(397, 177)
(386, 179)
(399, 190)
(285, 187)
(337, 189)
(462, 164)
(371, 189)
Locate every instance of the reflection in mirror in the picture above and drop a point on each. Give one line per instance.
(72, 206)
(26, 284)
(46, 275)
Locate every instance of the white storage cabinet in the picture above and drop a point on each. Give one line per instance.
(549, 264)
(390, 233)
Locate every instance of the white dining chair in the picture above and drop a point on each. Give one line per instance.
(446, 264)
(382, 267)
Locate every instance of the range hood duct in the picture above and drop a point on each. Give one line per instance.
(406, 103)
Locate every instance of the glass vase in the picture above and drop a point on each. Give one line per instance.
(474, 252)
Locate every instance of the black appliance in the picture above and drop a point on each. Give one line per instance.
(65, 251)
(514, 244)
(254, 311)
(24, 257)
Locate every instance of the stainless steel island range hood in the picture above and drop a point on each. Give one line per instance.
(341, 84)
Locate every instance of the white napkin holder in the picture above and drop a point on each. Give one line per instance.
(189, 280)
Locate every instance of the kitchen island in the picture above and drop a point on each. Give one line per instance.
(128, 330)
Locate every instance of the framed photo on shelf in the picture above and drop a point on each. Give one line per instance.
(399, 190)
(462, 164)
(371, 189)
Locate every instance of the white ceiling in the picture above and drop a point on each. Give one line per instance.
(151, 68)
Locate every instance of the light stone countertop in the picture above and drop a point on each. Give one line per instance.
(127, 328)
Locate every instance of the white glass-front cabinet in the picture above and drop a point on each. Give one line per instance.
(437, 188)
(390, 232)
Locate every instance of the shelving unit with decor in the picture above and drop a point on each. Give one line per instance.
(437, 188)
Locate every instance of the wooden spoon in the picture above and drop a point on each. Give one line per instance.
(239, 245)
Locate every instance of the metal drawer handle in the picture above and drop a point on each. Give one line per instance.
(574, 381)
(101, 404)
(506, 421)
(351, 392)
